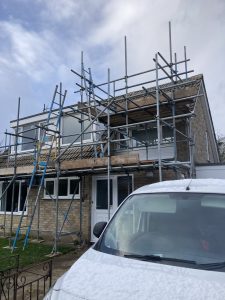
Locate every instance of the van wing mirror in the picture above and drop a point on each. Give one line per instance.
(98, 228)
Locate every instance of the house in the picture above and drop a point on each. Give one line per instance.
(101, 150)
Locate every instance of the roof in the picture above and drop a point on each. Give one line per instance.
(142, 104)
(185, 185)
(185, 88)
(27, 159)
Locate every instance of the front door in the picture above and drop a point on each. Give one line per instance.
(120, 188)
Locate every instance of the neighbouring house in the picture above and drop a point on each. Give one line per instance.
(103, 149)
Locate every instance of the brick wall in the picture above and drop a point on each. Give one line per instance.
(47, 223)
(47, 216)
(182, 143)
(47, 220)
(199, 128)
(7, 220)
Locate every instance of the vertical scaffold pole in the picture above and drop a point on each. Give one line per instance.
(81, 207)
(108, 154)
(185, 63)
(6, 138)
(174, 119)
(158, 118)
(126, 86)
(82, 100)
(170, 45)
(15, 170)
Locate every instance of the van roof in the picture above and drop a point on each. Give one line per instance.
(185, 185)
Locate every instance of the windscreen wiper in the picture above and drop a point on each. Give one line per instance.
(157, 257)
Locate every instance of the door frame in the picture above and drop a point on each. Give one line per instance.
(114, 196)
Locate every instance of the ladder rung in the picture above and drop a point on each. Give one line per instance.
(55, 114)
(56, 103)
(42, 163)
(59, 94)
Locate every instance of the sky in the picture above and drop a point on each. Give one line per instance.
(41, 41)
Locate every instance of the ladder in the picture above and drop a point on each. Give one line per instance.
(40, 167)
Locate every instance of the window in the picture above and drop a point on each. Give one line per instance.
(150, 135)
(123, 143)
(48, 135)
(29, 134)
(20, 194)
(71, 129)
(68, 186)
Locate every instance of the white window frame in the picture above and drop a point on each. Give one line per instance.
(163, 140)
(19, 147)
(19, 212)
(39, 123)
(69, 196)
(90, 129)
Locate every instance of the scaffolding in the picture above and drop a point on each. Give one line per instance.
(110, 113)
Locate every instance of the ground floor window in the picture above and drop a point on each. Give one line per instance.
(6, 196)
(68, 187)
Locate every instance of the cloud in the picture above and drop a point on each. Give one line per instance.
(59, 11)
(28, 52)
(38, 48)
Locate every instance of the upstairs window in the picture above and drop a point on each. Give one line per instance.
(68, 186)
(29, 135)
(20, 194)
(71, 129)
(150, 135)
(46, 136)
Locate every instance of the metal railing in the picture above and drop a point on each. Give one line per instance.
(28, 283)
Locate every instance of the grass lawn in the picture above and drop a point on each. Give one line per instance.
(33, 253)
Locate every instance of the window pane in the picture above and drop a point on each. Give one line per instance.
(167, 134)
(71, 129)
(122, 144)
(87, 136)
(124, 187)
(74, 186)
(6, 202)
(48, 135)
(4, 198)
(148, 135)
(16, 196)
(49, 187)
(9, 198)
(9, 194)
(63, 187)
(23, 195)
(102, 194)
(27, 142)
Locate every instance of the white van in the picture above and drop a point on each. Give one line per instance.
(166, 241)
